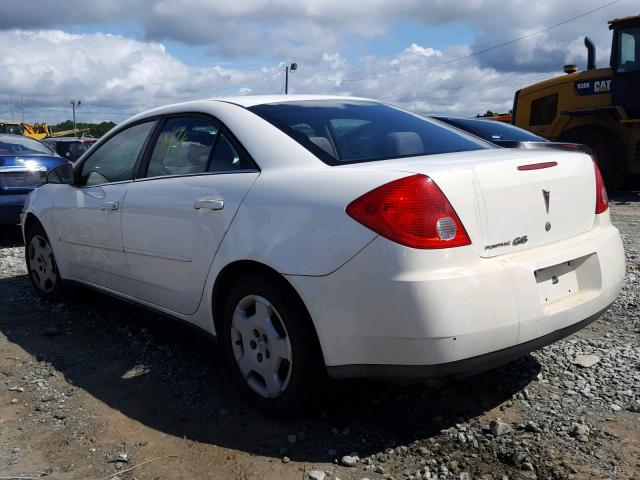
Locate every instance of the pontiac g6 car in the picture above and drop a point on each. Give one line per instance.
(331, 234)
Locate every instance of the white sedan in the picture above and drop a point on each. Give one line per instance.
(331, 234)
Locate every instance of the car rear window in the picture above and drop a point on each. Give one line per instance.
(19, 145)
(494, 130)
(347, 131)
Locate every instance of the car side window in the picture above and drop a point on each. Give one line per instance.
(227, 158)
(115, 160)
(183, 147)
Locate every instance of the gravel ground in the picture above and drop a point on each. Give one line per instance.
(96, 387)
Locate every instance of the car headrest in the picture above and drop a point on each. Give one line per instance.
(204, 138)
(324, 144)
(403, 143)
(198, 154)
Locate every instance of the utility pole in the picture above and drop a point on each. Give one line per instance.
(22, 103)
(293, 67)
(74, 103)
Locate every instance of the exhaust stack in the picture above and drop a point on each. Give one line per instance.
(591, 53)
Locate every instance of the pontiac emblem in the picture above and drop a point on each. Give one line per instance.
(546, 194)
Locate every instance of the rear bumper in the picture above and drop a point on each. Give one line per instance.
(461, 368)
(393, 311)
(10, 208)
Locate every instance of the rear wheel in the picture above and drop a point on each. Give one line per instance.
(42, 266)
(610, 154)
(268, 341)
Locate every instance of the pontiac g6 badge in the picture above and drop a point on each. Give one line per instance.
(519, 240)
(515, 242)
(546, 194)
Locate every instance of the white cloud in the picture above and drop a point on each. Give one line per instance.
(47, 65)
(247, 27)
(115, 76)
(121, 75)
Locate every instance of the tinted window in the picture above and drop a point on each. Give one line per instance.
(73, 150)
(59, 147)
(115, 159)
(493, 130)
(12, 128)
(227, 158)
(352, 131)
(543, 110)
(77, 149)
(20, 145)
(183, 147)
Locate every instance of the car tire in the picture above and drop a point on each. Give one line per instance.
(269, 343)
(41, 265)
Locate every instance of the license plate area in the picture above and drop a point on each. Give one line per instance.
(557, 282)
(20, 180)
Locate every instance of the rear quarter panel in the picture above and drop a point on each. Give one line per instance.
(295, 221)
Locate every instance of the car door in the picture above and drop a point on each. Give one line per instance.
(175, 216)
(88, 216)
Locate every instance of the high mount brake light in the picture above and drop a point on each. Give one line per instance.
(537, 166)
(602, 199)
(411, 211)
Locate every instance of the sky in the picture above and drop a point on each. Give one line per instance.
(121, 57)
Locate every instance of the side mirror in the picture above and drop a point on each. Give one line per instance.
(62, 174)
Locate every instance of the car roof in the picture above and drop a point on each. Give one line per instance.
(463, 119)
(244, 101)
(14, 136)
(69, 139)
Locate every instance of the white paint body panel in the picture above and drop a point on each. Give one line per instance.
(89, 235)
(425, 308)
(371, 301)
(168, 243)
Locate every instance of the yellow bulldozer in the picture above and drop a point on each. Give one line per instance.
(598, 107)
(38, 131)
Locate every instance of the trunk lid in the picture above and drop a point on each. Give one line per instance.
(506, 209)
(521, 209)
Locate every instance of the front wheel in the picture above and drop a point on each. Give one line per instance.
(268, 340)
(42, 266)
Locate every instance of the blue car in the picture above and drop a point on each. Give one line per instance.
(24, 164)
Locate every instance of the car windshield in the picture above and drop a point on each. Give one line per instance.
(19, 145)
(348, 131)
(493, 130)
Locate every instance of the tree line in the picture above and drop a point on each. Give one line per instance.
(94, 129)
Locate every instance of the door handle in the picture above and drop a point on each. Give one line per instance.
(110, 206)
(208, 205)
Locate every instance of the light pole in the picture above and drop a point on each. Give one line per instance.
(74, 103)
(293, 67)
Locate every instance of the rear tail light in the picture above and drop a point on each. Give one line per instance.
(411, 211)
(602, 199)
